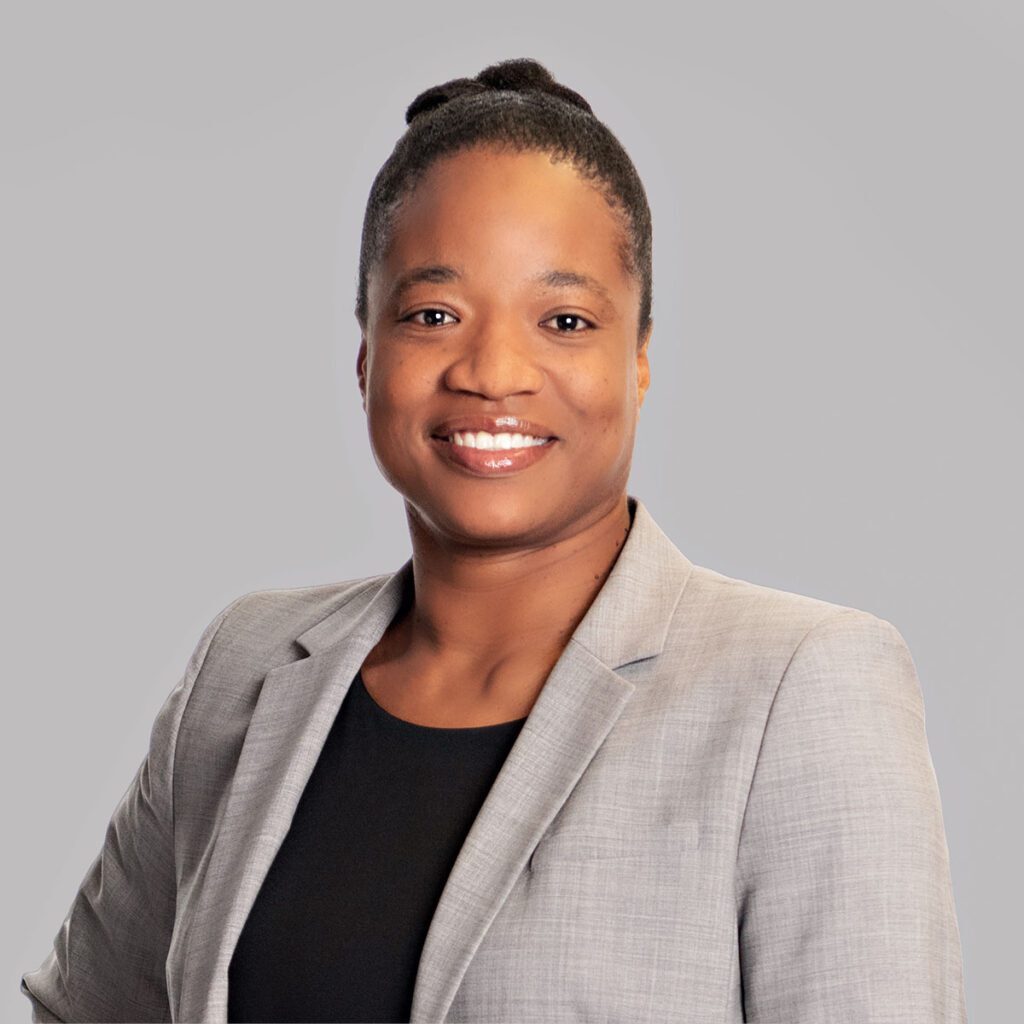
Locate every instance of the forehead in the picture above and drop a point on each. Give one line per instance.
(489, 210)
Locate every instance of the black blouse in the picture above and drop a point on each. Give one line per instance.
(336, 931)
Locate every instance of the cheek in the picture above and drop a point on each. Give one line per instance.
(396, 382)
(604, 397)
(400, 388)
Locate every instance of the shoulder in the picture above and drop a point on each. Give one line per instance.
(725, 606)
(303, 606)
(264, 621)
(256, 632)
(757, 635)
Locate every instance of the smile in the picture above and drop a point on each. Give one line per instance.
(485, 454)
(485, 440)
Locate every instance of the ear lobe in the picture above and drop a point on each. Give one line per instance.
(643, 368)
(643, 378)
(361, 369)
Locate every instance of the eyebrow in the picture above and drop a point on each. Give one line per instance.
(441, 273)
(436, 273)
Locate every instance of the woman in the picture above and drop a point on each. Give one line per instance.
(549, 770)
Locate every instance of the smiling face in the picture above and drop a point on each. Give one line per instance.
(502, 294)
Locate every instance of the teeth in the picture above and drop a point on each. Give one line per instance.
(482, 439)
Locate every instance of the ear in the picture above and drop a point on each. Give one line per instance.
(361, 369)
(643, 367)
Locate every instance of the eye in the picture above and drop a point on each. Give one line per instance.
(431, 321)
(571, 320)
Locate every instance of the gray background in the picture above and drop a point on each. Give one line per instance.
(835, 405)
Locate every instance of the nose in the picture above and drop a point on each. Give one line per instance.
(495, 361)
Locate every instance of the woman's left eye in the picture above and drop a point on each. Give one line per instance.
(572, 318)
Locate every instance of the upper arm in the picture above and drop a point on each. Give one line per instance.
(844, 898)
(108, 959)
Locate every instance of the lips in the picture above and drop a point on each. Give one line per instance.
(490, 462)
(492, 425)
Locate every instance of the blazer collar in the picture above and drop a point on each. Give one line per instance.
(627, 621)
(574, 712)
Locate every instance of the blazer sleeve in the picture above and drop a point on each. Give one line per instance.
(845, 907)
(108, 959)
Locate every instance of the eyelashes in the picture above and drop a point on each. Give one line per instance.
(411, 317)
(572, 316)
(576, 318)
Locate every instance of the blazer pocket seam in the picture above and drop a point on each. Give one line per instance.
(583, 845)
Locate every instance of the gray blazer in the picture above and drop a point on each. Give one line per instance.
(722, 807)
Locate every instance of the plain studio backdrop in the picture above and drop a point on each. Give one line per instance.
(835, 406)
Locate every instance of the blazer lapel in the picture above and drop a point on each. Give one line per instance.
(574, 712)
(296, 707)
(577, 707)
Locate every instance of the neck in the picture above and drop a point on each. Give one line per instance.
(477, 613)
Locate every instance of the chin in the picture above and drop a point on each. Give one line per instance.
(490, 523)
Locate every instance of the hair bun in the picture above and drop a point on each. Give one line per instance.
(521, 74)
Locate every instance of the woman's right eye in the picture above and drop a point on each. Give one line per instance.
(431, 315)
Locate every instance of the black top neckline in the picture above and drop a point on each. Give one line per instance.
(468, 729)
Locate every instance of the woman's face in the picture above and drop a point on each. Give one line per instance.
(502, 295)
